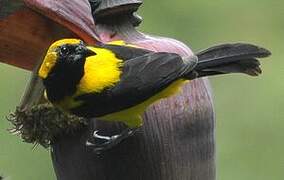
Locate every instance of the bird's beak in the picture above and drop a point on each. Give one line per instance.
(90, 52)
(84, 50)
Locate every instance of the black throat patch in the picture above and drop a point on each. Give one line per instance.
(66, 73)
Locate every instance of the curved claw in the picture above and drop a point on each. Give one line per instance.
(96, 135)
(109, 141)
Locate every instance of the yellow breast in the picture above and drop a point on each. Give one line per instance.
(101, 71)
(132, 117)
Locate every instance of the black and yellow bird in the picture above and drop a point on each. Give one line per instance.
(117, 82)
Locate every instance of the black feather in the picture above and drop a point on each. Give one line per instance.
(229, 58)
(125, 52)
(63, 78)
(142, 77)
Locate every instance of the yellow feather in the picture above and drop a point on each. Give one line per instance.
(117, 42)
(122, 43)
(51, 56)
(48, 63)
(132, 117)
(101, 71)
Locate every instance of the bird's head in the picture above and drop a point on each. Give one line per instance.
(65, 52)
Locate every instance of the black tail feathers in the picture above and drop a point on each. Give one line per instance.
(229, 58)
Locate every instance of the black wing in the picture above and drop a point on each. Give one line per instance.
(142, 78)
(126, 52)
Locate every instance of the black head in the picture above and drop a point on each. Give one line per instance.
(63, 68)
(73, 52)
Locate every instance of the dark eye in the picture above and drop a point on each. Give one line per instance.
(64, 50)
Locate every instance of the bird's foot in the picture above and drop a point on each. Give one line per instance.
(107, 142)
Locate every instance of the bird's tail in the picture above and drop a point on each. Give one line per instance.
(229, 58)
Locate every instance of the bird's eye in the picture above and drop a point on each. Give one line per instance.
(64, 51)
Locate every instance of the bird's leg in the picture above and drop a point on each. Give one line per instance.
(109, 141)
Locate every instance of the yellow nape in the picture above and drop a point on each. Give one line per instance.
(122, 43)
(101, 71)
(132, 117)
(117, 42)
(51, 56)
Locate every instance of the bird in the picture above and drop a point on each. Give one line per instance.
(117, 81)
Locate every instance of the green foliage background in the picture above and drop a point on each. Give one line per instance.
(249, 111)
